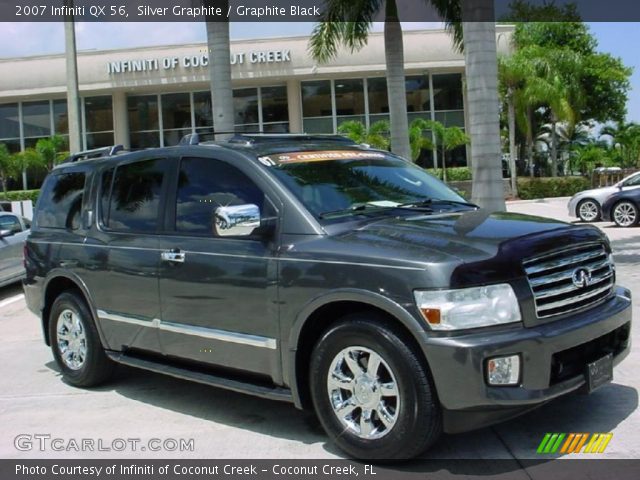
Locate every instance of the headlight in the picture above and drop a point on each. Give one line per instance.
(468, 307)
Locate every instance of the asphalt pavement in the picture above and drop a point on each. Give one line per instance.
(140, 405)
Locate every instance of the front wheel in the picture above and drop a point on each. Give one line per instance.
(75, 342)
(372, 392)
(625, 214)
(589, 211)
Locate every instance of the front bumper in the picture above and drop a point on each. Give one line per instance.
(553, 358)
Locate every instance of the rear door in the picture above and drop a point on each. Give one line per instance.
(123, 253)
(219, 294)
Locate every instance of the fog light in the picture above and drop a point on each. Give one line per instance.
(503, 370)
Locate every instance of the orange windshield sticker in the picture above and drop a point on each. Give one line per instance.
(318, 156)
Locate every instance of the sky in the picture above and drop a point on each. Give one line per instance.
(24, 39)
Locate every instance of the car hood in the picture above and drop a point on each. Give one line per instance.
(469, 242)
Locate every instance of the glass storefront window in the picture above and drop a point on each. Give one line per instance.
(36, 119)
(316, 99)
(140, 140)
(9, 121)
(418, 93)
(98, 113)
(143, 112)
(275, 107)
(349, 97)
(60, 117)
(378, 98)
(447, 92)
(202, 109)
(12, 144)
(245, 106)
(176, 117)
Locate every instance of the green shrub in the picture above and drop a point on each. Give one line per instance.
(454, 174)
(18, 195)
(529, 189)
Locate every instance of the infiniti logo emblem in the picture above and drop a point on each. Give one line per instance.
(581, 277)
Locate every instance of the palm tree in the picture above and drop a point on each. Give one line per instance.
(626, 139)
(6, 166)
(446, 139)
(48, 152)
(481, 61)
(345, 22)
(513, 72)
(220, 73)
(377, 135)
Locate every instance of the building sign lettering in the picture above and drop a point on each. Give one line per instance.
(196, 61)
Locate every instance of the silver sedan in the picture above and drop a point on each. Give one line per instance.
(14, 230)
(587, 205)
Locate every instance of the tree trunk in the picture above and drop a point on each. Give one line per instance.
(73, 95)
(512, 142)
(444, 165)
(484, 120)
(554, 149)
(396, 88)
(532, 165)
(220, 78)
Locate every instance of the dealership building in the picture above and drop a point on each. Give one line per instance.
(152, 96)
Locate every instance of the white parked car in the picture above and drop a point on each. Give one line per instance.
(587, 205)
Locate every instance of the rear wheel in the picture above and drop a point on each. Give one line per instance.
(589, 210)
(75, 342)
(372, 393)
(625, 214)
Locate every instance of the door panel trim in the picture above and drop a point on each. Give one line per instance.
(210, 333)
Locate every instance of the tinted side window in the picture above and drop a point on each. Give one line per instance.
(135, 196)
(10, 222)
(204, 185)
(61, 201)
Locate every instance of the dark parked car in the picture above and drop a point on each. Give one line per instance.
(14, 230)
(323, 273)
(622, 208)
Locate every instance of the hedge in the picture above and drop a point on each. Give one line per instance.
(530, 189)
(17, 195)
(454, 174)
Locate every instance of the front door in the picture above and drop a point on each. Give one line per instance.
(217, 294)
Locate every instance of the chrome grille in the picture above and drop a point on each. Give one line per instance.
(551, 277)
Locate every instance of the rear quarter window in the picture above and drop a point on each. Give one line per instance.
(60, 201)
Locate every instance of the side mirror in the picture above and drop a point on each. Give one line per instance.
(236, 220)
(6, 233)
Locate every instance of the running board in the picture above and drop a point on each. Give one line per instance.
(272, 393)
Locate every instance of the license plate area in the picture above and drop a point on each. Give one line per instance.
(599, 373)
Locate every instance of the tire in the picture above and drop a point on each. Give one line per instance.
(75, 342)
(413, 416)
(589, 211)
(625, 214)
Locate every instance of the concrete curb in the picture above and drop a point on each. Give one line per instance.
(537, 200)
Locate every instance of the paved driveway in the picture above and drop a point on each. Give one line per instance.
(223, 424)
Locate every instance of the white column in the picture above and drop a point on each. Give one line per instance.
(294, 102)
(120, 120)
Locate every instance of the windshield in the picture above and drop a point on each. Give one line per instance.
(347, 185)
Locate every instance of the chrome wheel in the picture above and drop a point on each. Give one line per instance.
(625, 214)
(363, 392)
(71, 339)
(588, 211)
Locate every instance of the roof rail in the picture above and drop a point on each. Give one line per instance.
(256, 139)
(95, 153)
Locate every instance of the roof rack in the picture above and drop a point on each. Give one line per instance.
(262, 138)
(95, 153)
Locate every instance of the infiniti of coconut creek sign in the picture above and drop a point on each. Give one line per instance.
(196, 61)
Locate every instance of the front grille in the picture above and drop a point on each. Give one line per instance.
(572, 362)
(551, 277)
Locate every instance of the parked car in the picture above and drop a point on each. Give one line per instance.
(14, 230)
(319, 272)
(622, 208)
(587, 205)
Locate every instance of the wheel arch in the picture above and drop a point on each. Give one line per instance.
(58, 282)
(323, 312)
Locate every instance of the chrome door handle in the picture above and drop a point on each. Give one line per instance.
(172, 256)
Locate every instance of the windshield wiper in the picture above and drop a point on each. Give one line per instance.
(358, 207)
(434, 201)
